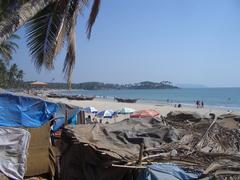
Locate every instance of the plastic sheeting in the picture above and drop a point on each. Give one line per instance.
(16, 111)
(121, 140)
(13, 151)
(167, 171)
(60, 117)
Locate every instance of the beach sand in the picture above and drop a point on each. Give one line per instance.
(108, 104)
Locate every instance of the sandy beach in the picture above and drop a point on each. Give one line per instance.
(108, 104)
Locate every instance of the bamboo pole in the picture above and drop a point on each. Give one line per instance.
(66, 117)
(140, 154)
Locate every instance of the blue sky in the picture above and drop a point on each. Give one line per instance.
(183, 41)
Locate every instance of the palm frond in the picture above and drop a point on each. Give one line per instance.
(49, 23)
(14, 37)
(7, 48)
(14, 19)
(71, 50)
(62, 26)
(45, 34)
(92, 17)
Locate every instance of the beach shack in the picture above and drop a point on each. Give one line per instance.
(38, 84)
(37, 87)
(148, 149)
(183, 146)
(26, 128)
(32, 115)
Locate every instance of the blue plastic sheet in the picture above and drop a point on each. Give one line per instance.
(167, 171)
(16, 111)
(60, 118)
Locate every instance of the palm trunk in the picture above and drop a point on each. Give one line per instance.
(21, 15)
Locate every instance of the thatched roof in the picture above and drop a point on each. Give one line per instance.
(38, 83)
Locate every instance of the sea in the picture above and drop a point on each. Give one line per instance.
(213, 97)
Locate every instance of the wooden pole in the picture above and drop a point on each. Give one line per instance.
(82, 117)
(66, 117)
(140, 154)
(79, 118)
(84, 120)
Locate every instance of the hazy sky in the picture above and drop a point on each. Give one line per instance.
(183, 41)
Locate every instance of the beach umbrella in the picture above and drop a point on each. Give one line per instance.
(105, 114)
(90, 110)
(115, 114)
(38, 83)
(126, 110)
(145, 113)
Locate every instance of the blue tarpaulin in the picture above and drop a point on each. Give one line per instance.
(16, 111)
(167, 171)
(60, 117)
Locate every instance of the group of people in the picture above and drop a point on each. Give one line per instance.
(90, 120)
(199, 104)
(94, 120)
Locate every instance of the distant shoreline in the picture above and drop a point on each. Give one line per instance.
(115, 86)
(224, 98)
(164, 109)
(163, 103)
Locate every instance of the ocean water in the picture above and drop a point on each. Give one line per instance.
(217, 97)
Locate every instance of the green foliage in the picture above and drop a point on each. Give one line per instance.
(11, 77)
(7, 48)
(50, 24)
(104, 86)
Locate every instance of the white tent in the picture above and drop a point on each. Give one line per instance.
(90, 110)
(126, 110)
(105, 114)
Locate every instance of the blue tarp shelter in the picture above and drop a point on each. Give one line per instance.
(167, 171)
(16, 111)
(60, 117)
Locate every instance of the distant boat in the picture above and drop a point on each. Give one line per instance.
(125, 100)
(82, 98)
(53, 95)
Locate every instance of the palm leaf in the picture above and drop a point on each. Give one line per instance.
(19, 15)
(92, 17)
(45, 34)
(7, 48)
(71, 50)
(62, 27)
(49, 23)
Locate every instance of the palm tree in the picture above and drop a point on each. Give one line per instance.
(49, 24)
(3, 74)
(13, 71)
(20, 75)
(19, 78)
(7, 48)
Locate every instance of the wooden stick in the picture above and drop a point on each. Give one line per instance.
(124, 166)
(84, 120)
(66, 117)
(204, 134)
(140, 154)
(78, 118)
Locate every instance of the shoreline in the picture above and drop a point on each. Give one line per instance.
(145, 98)
(164, 109)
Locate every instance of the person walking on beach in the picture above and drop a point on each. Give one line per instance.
(202, 104)
(197, 103)
(95, 120)
(89, 120)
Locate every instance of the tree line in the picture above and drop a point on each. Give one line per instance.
(10, 75)
(104, 86)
